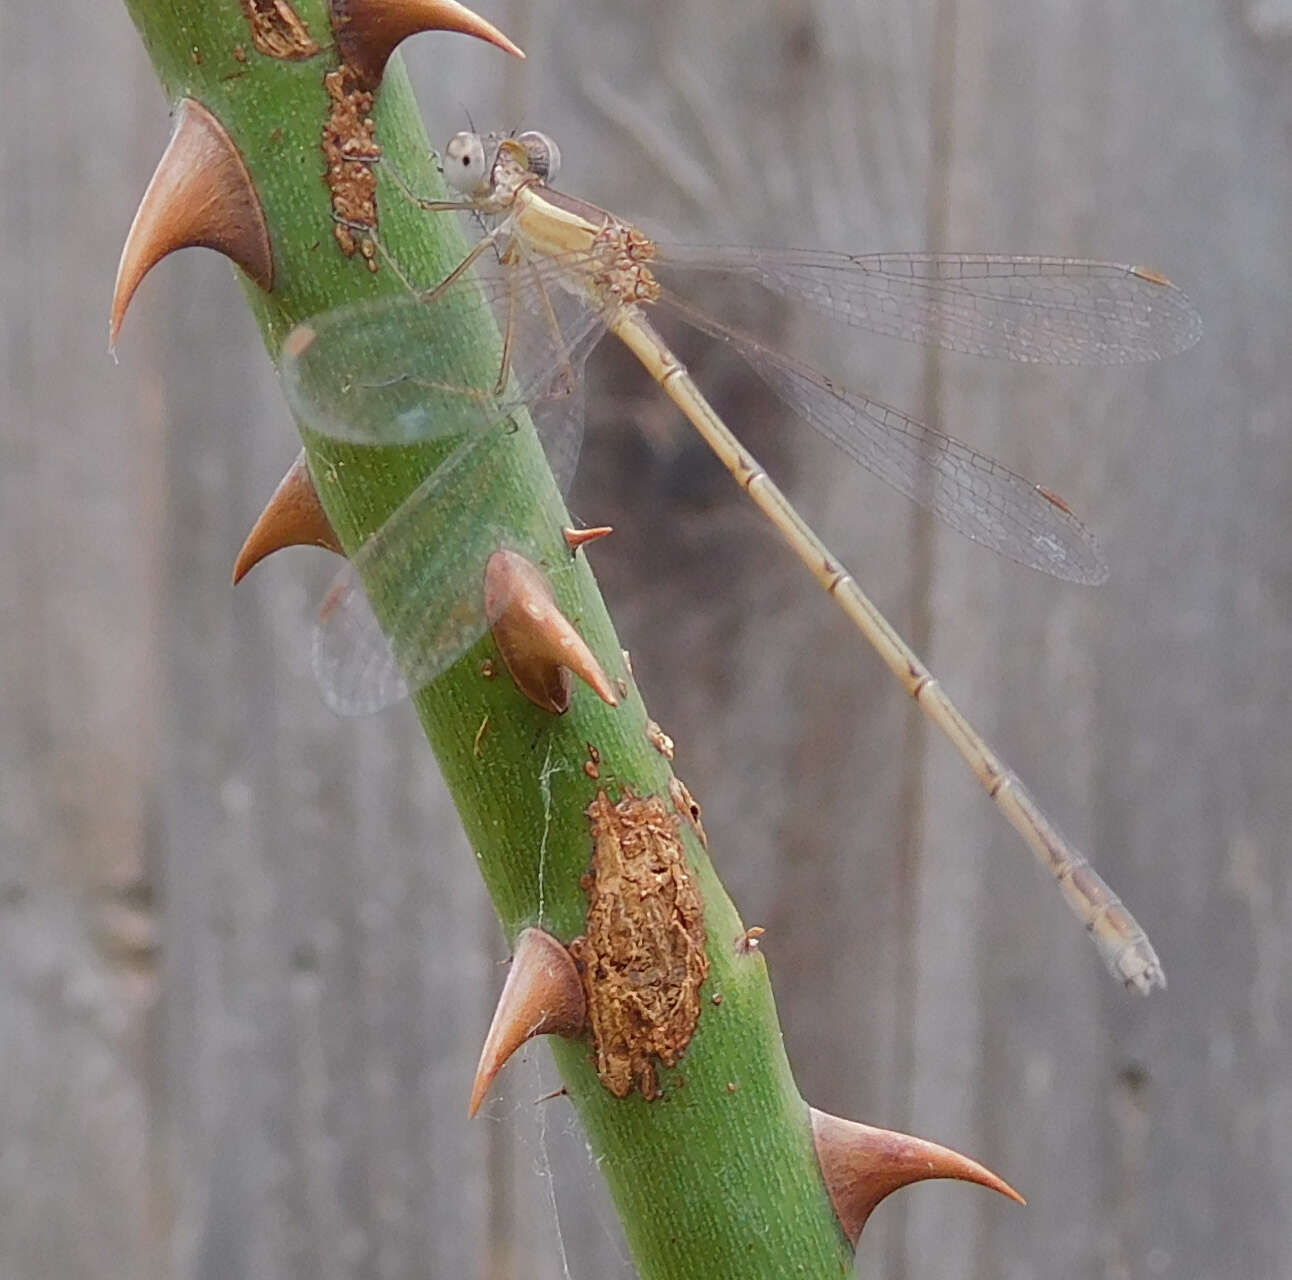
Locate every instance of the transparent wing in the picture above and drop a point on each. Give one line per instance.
(426, 565)
(370, 374)
(969, 491)
(558, 413)
(354, 665)
(559, 421)
(398, 370)
(1031, 309)
(373, 374)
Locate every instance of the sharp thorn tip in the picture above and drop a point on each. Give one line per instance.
(537, 642)
(293, 517)
(862, 1165)
(543, 995)
(200, 195)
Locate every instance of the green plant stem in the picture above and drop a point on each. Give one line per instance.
(718, 1178)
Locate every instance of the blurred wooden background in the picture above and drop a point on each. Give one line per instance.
(245, 962)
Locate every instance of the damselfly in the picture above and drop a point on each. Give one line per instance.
(570, 271)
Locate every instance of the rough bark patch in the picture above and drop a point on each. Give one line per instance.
(659, 740)
(642, 960)
(688, 807)
(349, 143)
(278, 31)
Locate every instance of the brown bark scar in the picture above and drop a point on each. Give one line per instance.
(278, 31)
(643, 957)
(659, 739)
(349, 144)
(687, 807)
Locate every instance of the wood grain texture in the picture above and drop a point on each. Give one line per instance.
(245, 962)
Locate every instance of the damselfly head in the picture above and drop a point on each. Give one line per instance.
(543, 155)
(465, 164)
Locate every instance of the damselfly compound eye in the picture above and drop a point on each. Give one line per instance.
(464, 163)
(543, 153)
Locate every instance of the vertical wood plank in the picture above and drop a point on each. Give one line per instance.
(279, 1091)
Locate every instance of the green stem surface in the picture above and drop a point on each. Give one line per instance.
(717, 1178)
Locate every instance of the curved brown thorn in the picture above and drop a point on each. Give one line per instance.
(293, 517)
(542, 996)
(536, 640)
(862, 1165)
(369, 30)
(576, 538)
(200, 194)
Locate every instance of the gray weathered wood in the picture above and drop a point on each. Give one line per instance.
(245, 963)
